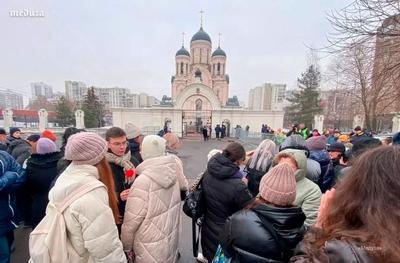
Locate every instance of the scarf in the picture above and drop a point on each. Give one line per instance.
(124, 161)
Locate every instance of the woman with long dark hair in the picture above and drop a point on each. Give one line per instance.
(225, 193)
(361, 220)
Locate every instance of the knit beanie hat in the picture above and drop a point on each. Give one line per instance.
(33, 138)
(132, 131)
(45, 145)
(13, 130)
(153, 146)
(48, 134)
(278, 186)
(85, 148)
(316, 143)
(2, 131)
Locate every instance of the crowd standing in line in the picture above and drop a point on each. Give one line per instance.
(316, 197)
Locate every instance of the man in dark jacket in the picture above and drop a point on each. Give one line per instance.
(135, 138)
(224, 192)
(11, 177)
(337, 155)
(120, 160)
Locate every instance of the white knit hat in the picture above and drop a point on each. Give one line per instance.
(132, 131)
(153, 146)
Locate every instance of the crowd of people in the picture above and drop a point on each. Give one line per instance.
(313, 198)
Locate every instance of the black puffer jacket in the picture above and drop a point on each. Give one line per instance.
(41, 170)
(337, 251)
(246, 239)
(135, 152)
(19, 149)
(225, 194)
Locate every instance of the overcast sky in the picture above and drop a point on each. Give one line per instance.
(132, 44)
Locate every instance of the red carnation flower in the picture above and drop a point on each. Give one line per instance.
(129, 173)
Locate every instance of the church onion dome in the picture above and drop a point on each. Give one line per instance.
(218, 52)
(201, 35)
(182, 52)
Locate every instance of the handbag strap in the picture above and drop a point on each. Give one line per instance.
(279, 241)
(76, 194)
(195, 239)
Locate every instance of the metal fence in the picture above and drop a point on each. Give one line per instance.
(255, 138)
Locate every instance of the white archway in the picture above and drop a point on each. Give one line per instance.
(200, 90)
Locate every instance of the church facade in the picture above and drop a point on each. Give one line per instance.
(199, 96)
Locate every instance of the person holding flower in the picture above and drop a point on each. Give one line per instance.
(121, 163)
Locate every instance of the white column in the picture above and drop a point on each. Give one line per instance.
(396, 123)
(42, 119)
(80, 119)
(319, 122)
(358, 121)
(8, 119)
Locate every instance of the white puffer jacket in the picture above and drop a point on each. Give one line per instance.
(89, 220)
(152, 213)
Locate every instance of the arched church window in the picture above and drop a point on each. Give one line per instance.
(218, 67)
(199, 104)
(181, 67)
(187, 68)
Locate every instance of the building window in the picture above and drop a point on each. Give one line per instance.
(181, 67)
(199, 104)
(218, 68)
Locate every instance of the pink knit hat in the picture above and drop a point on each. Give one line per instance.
(278, 186)
(317, 143)
(85, 148)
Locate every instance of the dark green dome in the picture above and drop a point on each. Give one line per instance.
(219, 52)
(182, 52)
(201, 35)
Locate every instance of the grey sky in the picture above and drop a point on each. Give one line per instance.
(132, 44)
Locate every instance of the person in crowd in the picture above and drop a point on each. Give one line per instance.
(359, 221)
(218, 131)
(303, 130)
(49, 135)
(63, 163)
(12, 176)
(259, 164)
(396, 139)
(32, 140)
(249, 235)
(317, 147)
(204, 130)
(121, 162)
(387, 141)
(41, 170)
(330, 138)
(358, 133)
(223, 131)
(293, 131)
(17, 147)
(296, 141)
(3, 140)
(225, 193)
(308, 194)
(150, 231)
(314, 133)
(337, 155)
(209, 128)
(172, 142)
(135, 138)
(89, 219)
(343, 138)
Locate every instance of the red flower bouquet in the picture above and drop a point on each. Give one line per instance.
(129, 177)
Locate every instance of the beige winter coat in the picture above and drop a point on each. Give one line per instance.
(152, 213)
(89, 220)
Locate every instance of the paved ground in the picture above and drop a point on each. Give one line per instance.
(194, 156)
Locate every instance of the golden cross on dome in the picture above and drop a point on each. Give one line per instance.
(201, 18)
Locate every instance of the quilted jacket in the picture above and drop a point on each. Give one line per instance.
(89, 220)
(152, 213)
